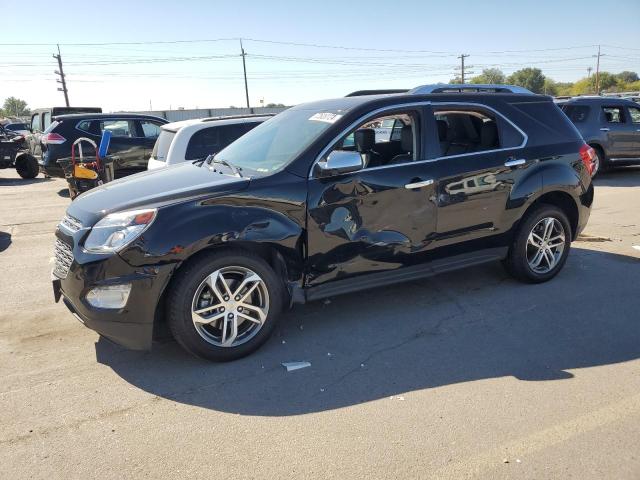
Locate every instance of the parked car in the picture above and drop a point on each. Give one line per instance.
(191, 140)
(20, 128)
(12, 153)
(610, 125)
(41, 118)
(308, 205)
(132, 139)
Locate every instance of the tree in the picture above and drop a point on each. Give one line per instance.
(489, 75)
(274, 105)
(627, 77)
(529, 78)
(15, 107)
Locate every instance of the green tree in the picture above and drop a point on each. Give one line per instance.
(627, 77)
(529, 78)
(489, 75)
(16, 107)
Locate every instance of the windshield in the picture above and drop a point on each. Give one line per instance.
(161, 147)
(276, 142)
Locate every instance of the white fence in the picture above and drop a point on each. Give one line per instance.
(177, 115)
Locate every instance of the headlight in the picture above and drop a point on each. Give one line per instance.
(117, 230)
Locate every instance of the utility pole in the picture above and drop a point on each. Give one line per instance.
(462, 57)
(589, 72)
(598, 73)
(60, 72)
(244, 68)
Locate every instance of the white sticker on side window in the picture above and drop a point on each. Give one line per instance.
(326, 117)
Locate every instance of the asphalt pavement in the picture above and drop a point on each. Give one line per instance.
(466, 375)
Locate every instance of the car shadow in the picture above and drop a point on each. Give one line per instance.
(459, 327)
(619, 177)
(22, 181)
(5, 241)
(64, 193)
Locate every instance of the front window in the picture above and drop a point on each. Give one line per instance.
(275, 143)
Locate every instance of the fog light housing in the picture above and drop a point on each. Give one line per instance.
(109, 296)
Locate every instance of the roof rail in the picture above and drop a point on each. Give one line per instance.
(469, 87)
(236, 117)
(360, 93)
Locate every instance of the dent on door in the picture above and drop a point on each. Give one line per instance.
(359, 225)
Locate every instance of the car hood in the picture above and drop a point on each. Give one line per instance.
(154, 188)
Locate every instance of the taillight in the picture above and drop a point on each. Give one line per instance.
(53, 139)
(588, 156)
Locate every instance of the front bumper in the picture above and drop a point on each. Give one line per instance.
(131, 326)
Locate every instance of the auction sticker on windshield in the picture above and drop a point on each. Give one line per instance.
(326, 117)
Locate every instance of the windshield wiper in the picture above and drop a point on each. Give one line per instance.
(212, 159)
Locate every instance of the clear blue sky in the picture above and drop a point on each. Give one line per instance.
(391, 44)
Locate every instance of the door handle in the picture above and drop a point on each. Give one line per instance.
(605, 129)
(514, 163)
(424, 183)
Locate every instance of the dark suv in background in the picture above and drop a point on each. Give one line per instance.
(610, 125)
(310, 204)
(132, 140)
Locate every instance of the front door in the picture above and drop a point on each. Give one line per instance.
(620, 132)
(381, 217)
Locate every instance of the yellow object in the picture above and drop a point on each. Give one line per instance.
(83, 172)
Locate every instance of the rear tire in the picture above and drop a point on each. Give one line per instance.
(216, 279)
(27, 166)
(534, 256)
(600, 163)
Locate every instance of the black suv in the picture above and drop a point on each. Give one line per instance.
(132, 139)
(309, 205)
(610, 125)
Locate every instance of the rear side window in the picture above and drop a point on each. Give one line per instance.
(118, 128)
(576, 113)
(161, 147)
(634, 113)
(89, 126)
(613, 114)
(213, 139)
(469, 130)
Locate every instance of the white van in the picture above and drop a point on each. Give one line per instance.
(191, 140)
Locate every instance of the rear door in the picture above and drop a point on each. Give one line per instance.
(619, 130)
(481, 158)
(634, 117)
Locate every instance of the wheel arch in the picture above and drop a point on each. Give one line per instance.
(564, 201)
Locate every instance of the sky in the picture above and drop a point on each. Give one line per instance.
(143, 55)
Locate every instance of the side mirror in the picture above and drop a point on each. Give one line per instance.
(339, 161)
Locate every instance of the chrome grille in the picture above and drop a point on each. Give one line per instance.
(71, 224)
(64, 258)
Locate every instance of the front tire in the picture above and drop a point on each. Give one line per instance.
(27, 166)
(541, 245)
(224, 305)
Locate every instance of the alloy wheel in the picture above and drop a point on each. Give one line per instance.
(545, 245)
(230, 306)
(596, 164)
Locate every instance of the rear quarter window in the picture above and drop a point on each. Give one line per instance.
(576, 113)
(161, 147)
